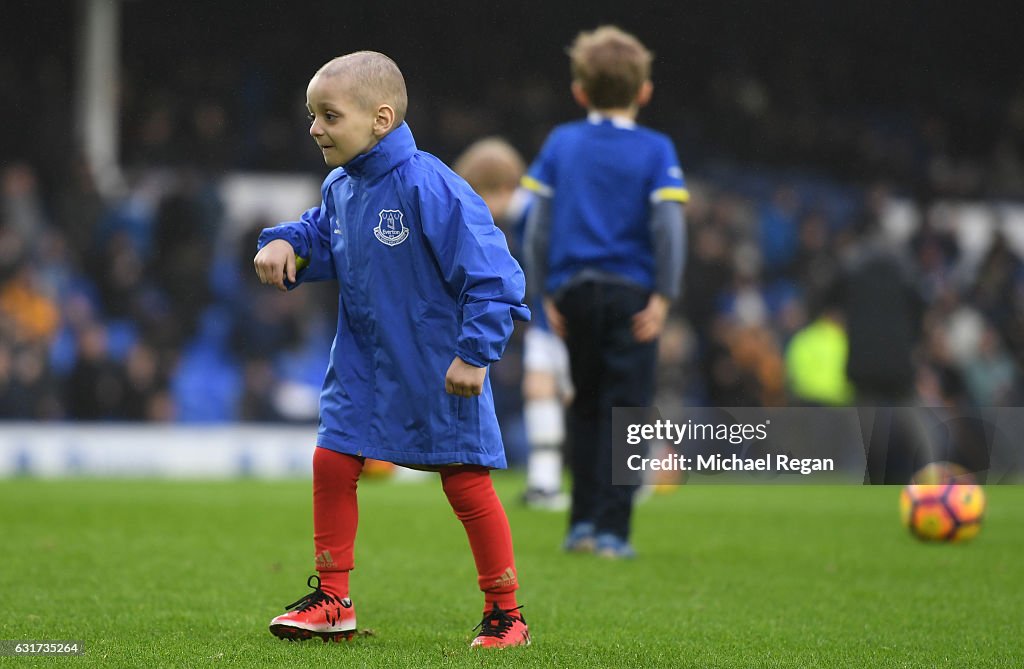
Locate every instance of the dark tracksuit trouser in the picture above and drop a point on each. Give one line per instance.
(609, 369)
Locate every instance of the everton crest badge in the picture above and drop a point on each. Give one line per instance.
(391, 229)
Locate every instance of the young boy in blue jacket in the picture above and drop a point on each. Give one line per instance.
(428, 293)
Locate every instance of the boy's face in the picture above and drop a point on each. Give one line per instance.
(342, 128)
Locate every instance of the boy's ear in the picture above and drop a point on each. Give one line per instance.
(643, 96)
(580, 95)
(384, 121)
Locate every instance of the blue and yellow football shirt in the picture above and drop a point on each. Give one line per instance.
(602, 175)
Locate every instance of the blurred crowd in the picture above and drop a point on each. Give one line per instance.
(145, 307)
(142, 304)
(780, 291)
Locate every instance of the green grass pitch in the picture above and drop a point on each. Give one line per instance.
(188, 574)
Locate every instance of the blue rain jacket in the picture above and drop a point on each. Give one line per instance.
(424, 276)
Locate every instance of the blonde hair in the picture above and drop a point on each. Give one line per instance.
(611, 65)
(373, 79)
(490, 164)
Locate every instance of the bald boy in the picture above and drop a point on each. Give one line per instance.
(428, 292)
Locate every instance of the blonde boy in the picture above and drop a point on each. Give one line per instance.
(605, 251)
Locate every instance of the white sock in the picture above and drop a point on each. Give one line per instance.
(544, 470)
(545, 431)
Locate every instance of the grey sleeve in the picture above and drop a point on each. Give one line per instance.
(668, 234)
(536, 243)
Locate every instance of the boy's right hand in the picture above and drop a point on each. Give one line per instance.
(275, 262)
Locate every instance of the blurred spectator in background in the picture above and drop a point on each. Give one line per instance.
(182, 238)
(883, 306)
(146, 395)
(34, 315)
(29, 312)
(707, 273)
(816, 363)
(96, 384)
(779, 233)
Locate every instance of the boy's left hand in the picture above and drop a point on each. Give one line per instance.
(556, 321)
(464, 379)
(650, 321)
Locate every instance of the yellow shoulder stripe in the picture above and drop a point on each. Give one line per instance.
(671, 194)
(531, 184)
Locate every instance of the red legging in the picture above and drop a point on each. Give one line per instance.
(470, 493)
